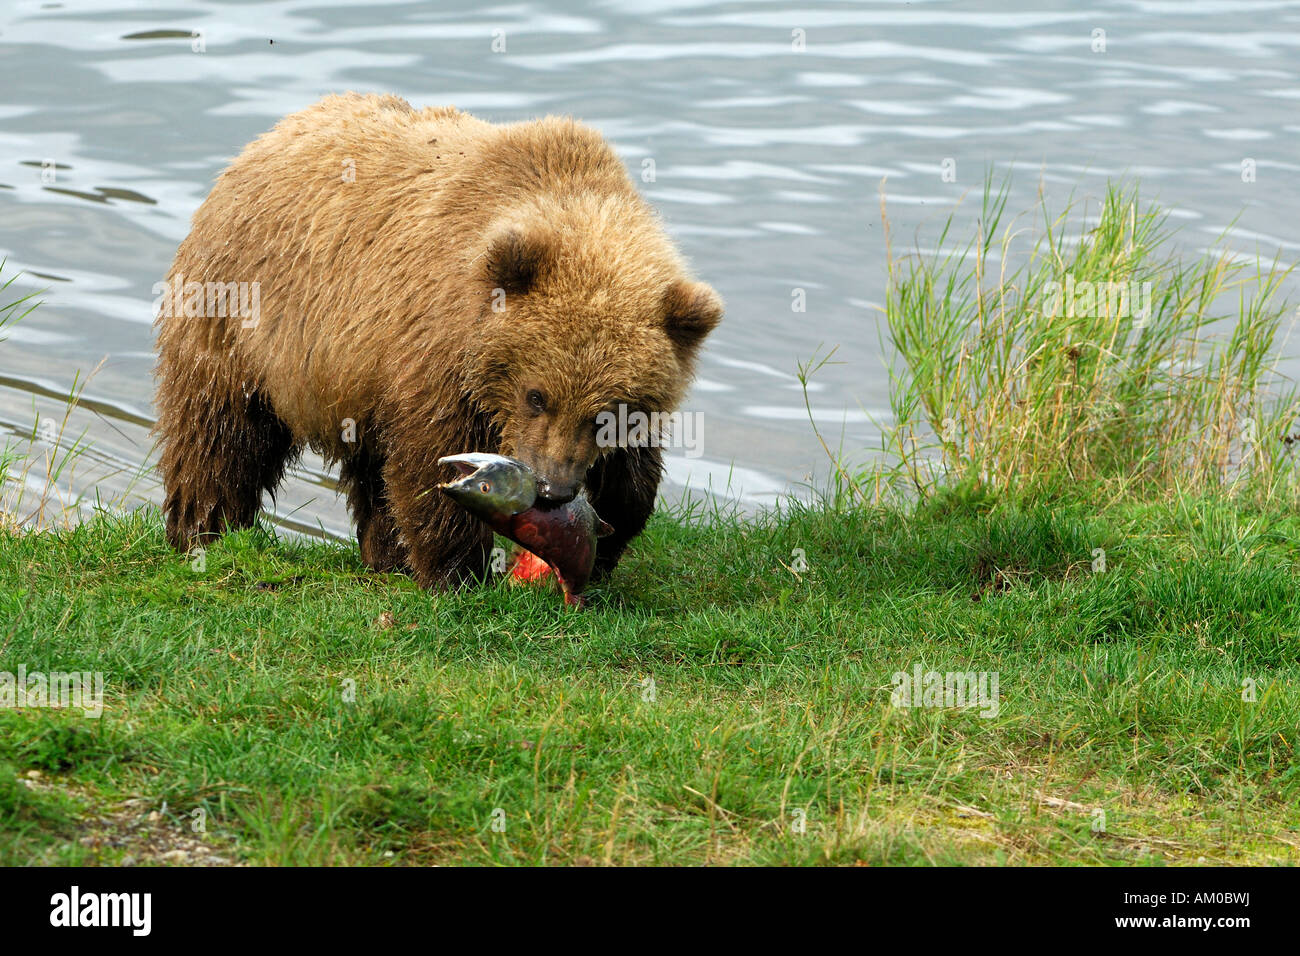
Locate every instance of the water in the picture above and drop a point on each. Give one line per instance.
(767, 164)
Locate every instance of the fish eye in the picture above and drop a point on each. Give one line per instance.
(536, 401)
(485, 486)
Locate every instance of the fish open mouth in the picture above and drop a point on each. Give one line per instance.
(463, 468)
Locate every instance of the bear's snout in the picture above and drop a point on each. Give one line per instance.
(558, 481)
(558, 491)
(560, 467)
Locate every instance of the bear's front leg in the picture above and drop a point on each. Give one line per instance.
(622, 487)
(377, 536)
(444, 545)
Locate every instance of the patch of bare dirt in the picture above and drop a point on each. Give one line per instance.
(134, 832)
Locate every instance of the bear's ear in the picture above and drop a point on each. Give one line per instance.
(515, 258)
(691, 310)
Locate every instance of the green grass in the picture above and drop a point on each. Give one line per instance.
(1084, 348)
(1121, 691)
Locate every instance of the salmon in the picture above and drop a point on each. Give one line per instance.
(502, 493)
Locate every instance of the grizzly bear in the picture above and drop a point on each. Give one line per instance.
(424, 283)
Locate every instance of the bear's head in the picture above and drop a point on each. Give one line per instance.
(589, 310)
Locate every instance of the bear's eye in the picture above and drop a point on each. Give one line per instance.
(536, 401)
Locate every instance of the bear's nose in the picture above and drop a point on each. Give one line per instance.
(557, 492)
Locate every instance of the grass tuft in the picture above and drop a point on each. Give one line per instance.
(1076, 351)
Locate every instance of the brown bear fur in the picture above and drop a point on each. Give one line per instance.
(475, 288)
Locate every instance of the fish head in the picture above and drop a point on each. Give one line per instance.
(490, 485)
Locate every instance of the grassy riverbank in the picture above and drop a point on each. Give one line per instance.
(1121, 560)
(709, 700)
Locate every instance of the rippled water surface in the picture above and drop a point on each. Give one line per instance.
(767, 162)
